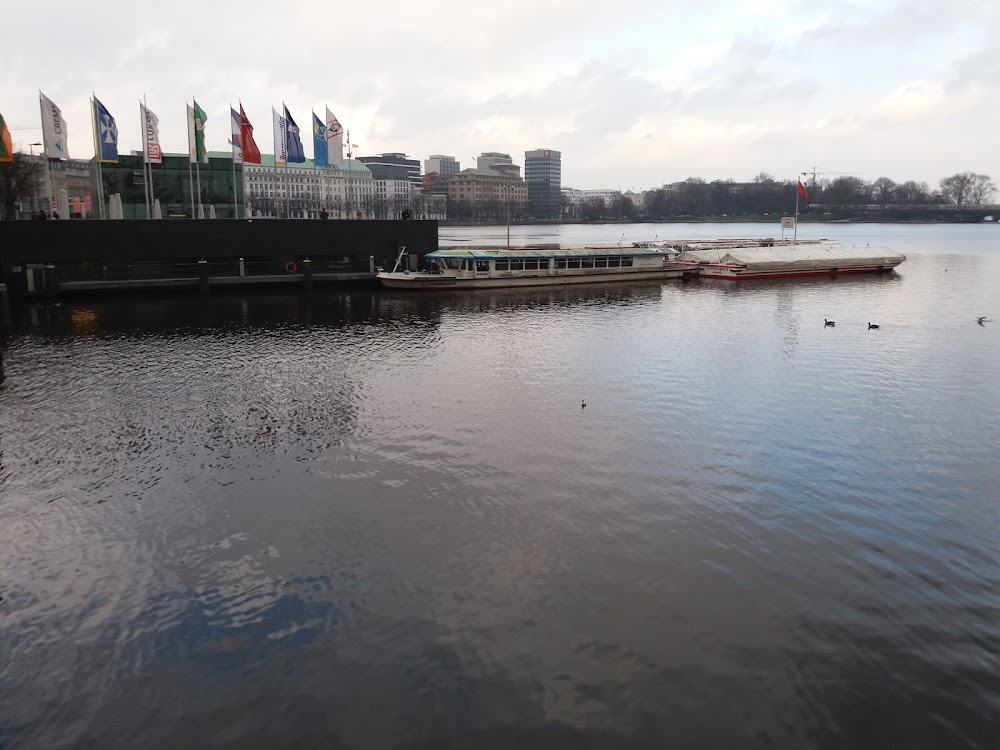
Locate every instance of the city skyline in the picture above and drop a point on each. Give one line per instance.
(659, 92)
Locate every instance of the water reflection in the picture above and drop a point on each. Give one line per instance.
(376, 520)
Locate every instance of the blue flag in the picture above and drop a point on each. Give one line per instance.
(319, 142)
(107, 133)
(293, 141)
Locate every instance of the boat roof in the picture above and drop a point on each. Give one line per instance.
(488, 253)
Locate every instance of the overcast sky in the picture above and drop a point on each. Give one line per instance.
(635, 93)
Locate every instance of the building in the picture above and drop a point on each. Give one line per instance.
(487, 194)
(301, 191)
(543, 176)
(490, 159)
(411, 166)
(442, 165)
(173, 184)
(53, 175)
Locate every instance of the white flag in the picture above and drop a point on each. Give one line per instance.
(236, 123)
(151, 124)
(334, 140)
(192, 151)
(53, 129)
(280, 157)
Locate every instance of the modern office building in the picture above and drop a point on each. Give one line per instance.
(543, 176)
(441, 164)
(412, 166)
(489, 159)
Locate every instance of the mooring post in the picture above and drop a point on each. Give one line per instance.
(5, 318)
(307, 274)
(51, 284)
(243, 268)
(371, 264)
(203, 275)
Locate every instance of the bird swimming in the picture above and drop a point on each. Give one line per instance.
(872, 325)
(583, 404)
(829, 323)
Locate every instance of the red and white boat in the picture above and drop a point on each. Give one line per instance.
(770, 259)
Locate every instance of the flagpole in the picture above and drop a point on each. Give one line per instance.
(190, 115)
(795, 229)
(145, 180)
(288, 180)
(236, 205)
(97, 152)
(45, 150)
(147, 160)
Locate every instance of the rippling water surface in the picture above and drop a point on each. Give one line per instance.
(365, 520)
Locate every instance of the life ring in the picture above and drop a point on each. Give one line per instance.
(291, 267)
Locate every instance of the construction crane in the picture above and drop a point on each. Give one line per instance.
(814, 174)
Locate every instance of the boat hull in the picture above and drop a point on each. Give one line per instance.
(430, 282)
(733, 274)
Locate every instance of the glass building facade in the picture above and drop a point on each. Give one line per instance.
(173, 184)
(543, 176)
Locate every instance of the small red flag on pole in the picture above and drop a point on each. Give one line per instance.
(802, 191)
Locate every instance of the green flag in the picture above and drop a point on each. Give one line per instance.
(200, 118)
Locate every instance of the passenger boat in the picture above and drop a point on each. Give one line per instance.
(769, 259)
(489, 268)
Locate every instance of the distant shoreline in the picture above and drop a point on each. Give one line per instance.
(703, 220)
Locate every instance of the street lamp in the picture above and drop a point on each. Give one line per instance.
(31, 148)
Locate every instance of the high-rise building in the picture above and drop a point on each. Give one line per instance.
(443, 165)
(412, 166)
(489, 159)
(543, 175)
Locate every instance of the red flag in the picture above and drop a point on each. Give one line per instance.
(251, 154)
(802, 191)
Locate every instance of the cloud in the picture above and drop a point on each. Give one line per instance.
(636, 93)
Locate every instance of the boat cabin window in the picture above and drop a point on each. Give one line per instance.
(627, 262)
(600, 262)
(452, 263)
(572, 263)
(560, 262)
(531, 264)
(586, 263)
(614, 262)
(503, 265)
(482, 265)
(517, 265)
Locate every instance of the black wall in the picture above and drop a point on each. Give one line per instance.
(124, 242)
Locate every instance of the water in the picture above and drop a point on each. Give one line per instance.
(376, 521)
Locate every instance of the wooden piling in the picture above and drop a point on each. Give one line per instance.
(203, 276)
(6, 321)
(307, 274)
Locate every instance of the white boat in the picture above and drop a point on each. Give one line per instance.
(769, 259)
(492, 268)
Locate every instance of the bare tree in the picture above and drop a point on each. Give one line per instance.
(912, 193)
(884, 191)
(958, 187)
(16, 180)
(982, 189)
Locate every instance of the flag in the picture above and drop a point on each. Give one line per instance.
(236, 126)
(107, 133)
(293, 143)
(319, 143)
(6, 147)
(280, 157)
(191, 152)
(200, 118)
(251, 154)
(334, 139)
(53, 129)
(802, 191)
(151, 140)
